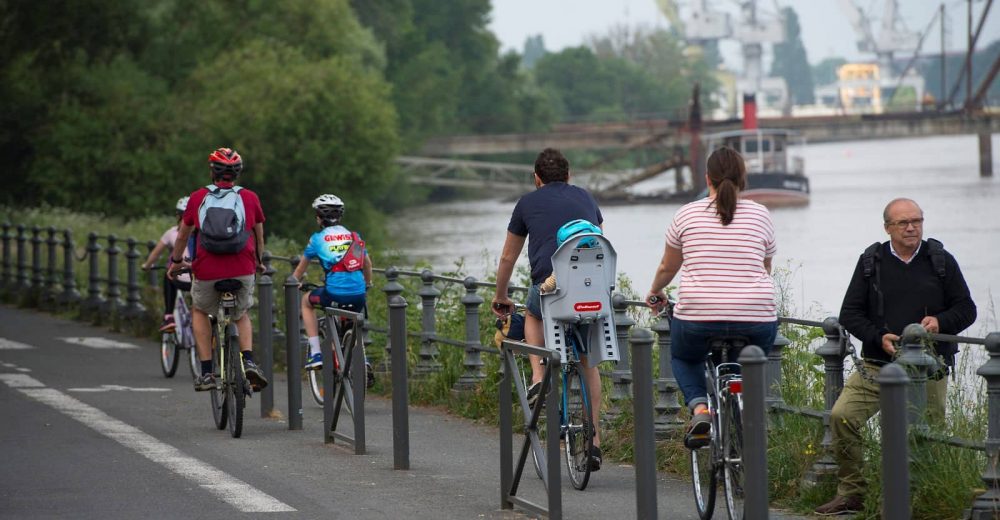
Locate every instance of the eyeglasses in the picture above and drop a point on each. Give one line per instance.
(903, 224)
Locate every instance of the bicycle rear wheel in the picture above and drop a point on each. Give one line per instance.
(579, 427)
(235, 384)
(219, 411)
(732, 446)
(705, 477)
(168, 353)
(193, 363)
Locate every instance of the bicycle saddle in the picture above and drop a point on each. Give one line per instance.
(728, 345)
(228, 285)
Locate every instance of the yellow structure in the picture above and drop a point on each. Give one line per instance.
(859, 85)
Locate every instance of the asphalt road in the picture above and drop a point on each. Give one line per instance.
(89, 432)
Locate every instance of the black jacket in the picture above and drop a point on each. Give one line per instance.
(910, 291)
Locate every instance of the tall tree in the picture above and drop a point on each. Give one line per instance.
(790, 61)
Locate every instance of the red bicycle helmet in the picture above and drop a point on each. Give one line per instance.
(225, 161)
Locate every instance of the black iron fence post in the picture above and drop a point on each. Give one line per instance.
(95, 302)
(5, 278)
(473, 362)
(134, 307)
(668, 406)
(987, 504)
(265, 313)
(52, 278)
(833, 353)
(392, 288)
(293, 358)
(70, 296)
(895, 453)
(754, 364)
(400, 389)
(277, 336)
(918, 364)
(113, 305)
(427, 363)
(641, 344)
(22, 259)
(774, 397)
(621, 375)
(37, 278)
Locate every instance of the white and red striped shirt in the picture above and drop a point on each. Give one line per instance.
(723, 276)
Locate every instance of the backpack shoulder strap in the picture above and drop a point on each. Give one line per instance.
(868, 258)
(936, 251)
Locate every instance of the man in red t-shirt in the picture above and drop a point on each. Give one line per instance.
(208, 268)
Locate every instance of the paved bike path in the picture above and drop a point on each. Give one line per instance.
(100, 433)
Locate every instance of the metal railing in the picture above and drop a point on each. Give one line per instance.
(33, 275)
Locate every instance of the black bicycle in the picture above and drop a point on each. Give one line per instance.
(343, 327)
(232, 388)
(722, 457)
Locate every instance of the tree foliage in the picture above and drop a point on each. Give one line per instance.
(116, 105)
(113, 107)
(790, 61)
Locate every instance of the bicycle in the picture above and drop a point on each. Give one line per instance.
(344, 328)
(722, 457)
(178, 339)
(232, 388)
(576, 425)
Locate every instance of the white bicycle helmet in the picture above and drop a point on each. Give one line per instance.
(328, 207)
(182, 204)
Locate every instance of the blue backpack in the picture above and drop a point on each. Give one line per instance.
(222, 221)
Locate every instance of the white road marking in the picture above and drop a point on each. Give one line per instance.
(230, 489)
(7, 344)
(22, 369)
(118, 388)
(98, 342)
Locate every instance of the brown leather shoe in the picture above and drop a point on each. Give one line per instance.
(841, 505)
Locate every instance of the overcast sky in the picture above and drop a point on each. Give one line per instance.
(826, 31)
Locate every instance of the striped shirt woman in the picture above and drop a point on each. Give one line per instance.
(722, 246)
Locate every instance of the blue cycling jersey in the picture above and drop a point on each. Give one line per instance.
(330, 245)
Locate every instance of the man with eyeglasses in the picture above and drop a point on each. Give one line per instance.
(905, 280)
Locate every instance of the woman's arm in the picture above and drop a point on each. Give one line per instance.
(767, 264)
(665, 272)
(154, 255)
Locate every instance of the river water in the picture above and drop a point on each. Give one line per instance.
(820, 243)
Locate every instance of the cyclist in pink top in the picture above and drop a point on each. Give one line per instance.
(181, 282)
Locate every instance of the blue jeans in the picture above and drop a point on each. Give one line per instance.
(534, 301)
(689, 350)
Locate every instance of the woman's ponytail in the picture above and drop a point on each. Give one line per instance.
(728, 174)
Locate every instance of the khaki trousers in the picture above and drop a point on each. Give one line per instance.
(856, 405)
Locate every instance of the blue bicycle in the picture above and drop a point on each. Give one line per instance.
(576, 426)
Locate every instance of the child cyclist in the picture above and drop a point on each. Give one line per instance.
(180, 282)
(347, 267)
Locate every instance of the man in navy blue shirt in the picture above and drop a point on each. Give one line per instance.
(537, 216)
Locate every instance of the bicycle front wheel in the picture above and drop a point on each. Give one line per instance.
(732, 446)
(579, 428)
(235, 384)
(194, 364)
(168, 354)
(315, 377)
(219, 411)
(704, 476)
